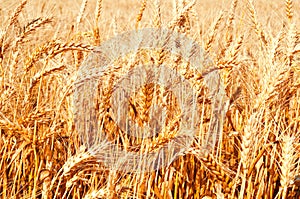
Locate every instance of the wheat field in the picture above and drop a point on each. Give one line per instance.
(255, 47)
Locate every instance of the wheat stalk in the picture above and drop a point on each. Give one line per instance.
(31, 27)
(157, 17)
(81, 12)
(38, 76)
(257, 27)
(12, 20)
(96, 30)
(213, 33)
(140, 14)
(289, 10)
(287, 163)
(51, 49)
(98, 11)
(178, 19)
(16, 13)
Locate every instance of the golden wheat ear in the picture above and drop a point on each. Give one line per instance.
(254, 46)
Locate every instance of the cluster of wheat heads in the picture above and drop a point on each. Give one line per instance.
(257, 53)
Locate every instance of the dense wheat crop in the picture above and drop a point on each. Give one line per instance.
(255, 47)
